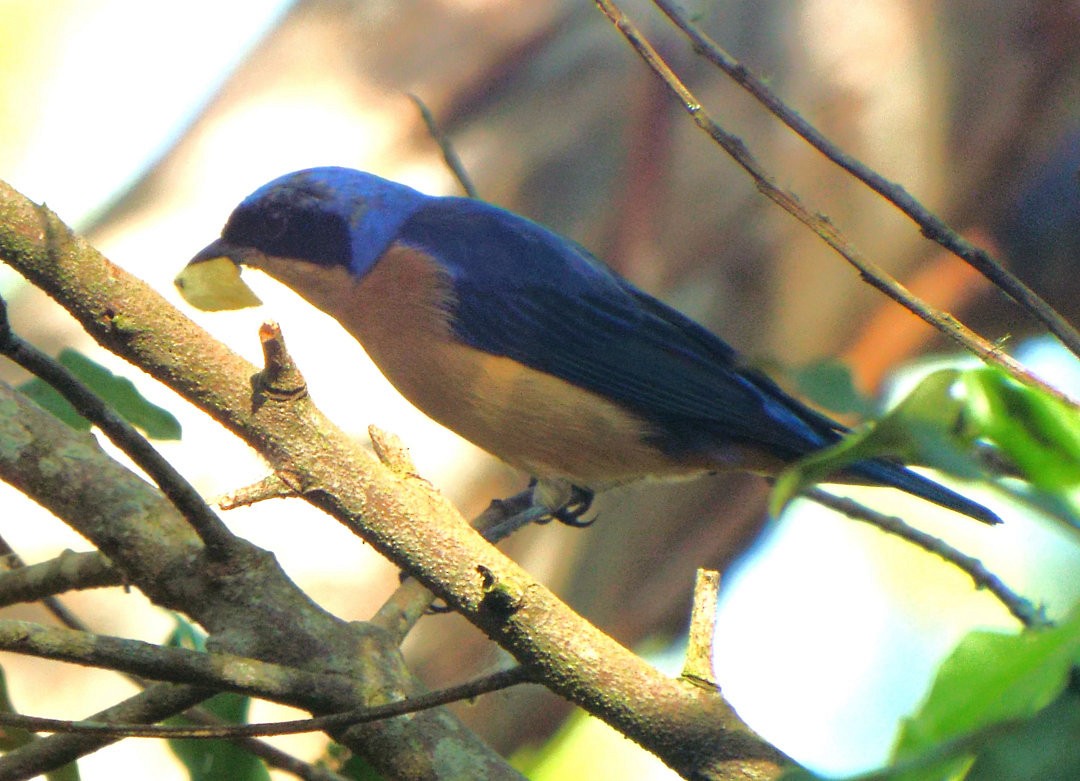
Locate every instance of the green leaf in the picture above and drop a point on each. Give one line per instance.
(11, 738)
(118, 392)
(1038, 432)
(358, 769)
(347, 764)
(990, 679)
(1046, 747)
(938, 425)
(926, 428)
(186, 635)
(1000, 709)
(45, 396)
(219, 760)
(214, 760)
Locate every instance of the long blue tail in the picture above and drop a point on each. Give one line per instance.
(897, 476)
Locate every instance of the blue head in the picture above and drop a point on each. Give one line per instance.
(329, 216)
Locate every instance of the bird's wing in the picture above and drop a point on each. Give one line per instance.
(528, 294)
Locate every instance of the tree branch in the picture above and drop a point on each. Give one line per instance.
(820, 224)
(486, 684)
(211, 671)
(244, 600)
(121, 433)
(1021, 609)
(691, 729)
(699, 645)
(450, 155)
(69, 571)
(932, 226)
(40, 756)
(72, 570)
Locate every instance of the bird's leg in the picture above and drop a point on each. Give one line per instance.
(557, 500)
(503, 529)
(564, 501)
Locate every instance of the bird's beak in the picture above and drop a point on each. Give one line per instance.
(211, 280)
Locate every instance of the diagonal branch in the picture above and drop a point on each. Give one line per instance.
(497, 681)
(122, 434)
(1021, 608)
(819, 224)
(932, 226)
(246, 602)
(692, 729)
(67, 572)
(210, 671)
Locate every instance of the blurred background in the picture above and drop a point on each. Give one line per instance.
(143, 125)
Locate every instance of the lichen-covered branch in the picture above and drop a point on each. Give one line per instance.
(244, 599)
(692, 729)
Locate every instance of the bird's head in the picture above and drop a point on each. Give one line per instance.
(327, 217)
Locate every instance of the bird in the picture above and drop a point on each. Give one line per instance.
(524, 343)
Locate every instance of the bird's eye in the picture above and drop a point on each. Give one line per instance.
(275, 224)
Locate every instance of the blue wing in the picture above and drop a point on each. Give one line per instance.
(529, 294)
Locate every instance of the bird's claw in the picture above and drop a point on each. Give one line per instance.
(566, 503)
(571, 513)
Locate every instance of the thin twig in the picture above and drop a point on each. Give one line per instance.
(179, 491)
(41, 756)
(698, 666)
(42, 581)
(391, 450)
(465, 691)
(1022, 609)
(932, 226)
(821, 225)
(273, 486)
(96, 570)
(99, 572)
(453, 162)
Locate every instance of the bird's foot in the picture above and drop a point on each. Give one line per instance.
(556, 500)
(564, 502)
(571, 513)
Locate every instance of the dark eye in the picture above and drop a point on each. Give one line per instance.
(255, 226)
(274, 225)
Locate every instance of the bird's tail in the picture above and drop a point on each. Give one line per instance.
(897, 476)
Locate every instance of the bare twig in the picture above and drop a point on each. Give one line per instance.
(698, 666)
(272, 486)
(218, 671)
(486, 684)
(25, 583)
(821, 225)
(391, 450)
(932, 226)
(246, 601)
(1021, 609)
(453, 162)
(214, 672)
(280, 378)
(66, 572)
(156, 703)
